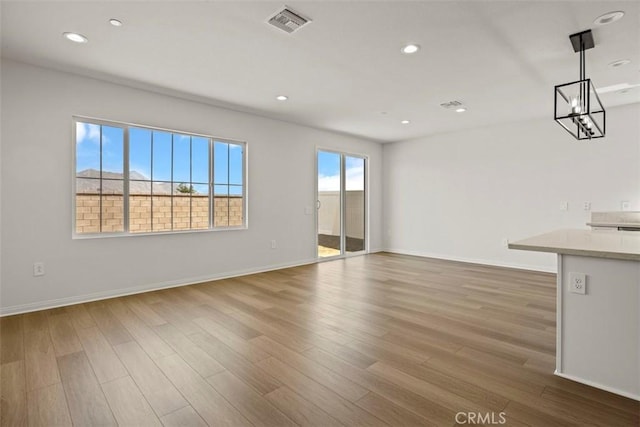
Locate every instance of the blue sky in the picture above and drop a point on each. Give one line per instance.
(329, 172)
(190, 150)
(190, 158)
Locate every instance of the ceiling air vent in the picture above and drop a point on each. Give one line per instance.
(288, 20)
(451, 105)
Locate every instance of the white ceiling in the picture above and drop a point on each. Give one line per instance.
(344, 71)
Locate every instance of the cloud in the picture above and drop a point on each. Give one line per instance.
(87, 132)
(328, 183)
(354, 182)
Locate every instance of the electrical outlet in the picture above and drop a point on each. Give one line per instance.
(274, 244)
(38, 269)
(505, 242)
(578, 283)
(625, 205)
(564, 206)
(586, 206)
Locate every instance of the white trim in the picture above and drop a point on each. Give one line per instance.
(598, 385)
(471, 260)
(61, 302)
(559, 312)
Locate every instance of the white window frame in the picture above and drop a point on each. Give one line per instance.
(126, 233)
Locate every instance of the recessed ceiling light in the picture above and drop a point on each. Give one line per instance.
(410, 48)
(115, 22)
(609, 17)
(405, 122)
(620, 63)
(75, 37)
(282, 98)
(461, 110)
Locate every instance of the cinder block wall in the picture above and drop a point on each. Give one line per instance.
(155, 213)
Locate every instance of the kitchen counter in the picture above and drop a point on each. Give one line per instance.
(625, 219)
(598, 306)
(624, 245)
(614, 224)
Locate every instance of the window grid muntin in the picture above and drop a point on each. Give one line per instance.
(171, 185)
(100, 184)
(125, 175)
(126, 178)
(151, 182)
(227, 184)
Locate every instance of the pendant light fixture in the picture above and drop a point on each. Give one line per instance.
(577, 106)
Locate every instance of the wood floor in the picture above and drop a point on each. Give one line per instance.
(374, 340)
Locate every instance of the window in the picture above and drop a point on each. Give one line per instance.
(135, 179)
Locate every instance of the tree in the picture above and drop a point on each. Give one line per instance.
(185, 189)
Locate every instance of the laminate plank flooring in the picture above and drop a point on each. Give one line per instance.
(337, 383)
(41, 368)
(129, 407)
(195, 356)
(47, 406)
(106, 364)
(85, 398)
(381, 339)
(80, 316)
(13, 394)
(161, 394)
(251, 404)
(12, 343)
(210, 404)
(186, 416)
(297, 408)
(63, 335)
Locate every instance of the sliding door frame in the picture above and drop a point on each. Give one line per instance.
(343, 198)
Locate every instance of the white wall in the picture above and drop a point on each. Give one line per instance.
(37, 105)
(458, 195)
(329, 213)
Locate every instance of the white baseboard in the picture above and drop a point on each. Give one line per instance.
(472, 260)
(61, 302)
(600, 386)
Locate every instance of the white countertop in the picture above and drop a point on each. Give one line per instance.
(615, 219)
(614, 224)
(593, 243)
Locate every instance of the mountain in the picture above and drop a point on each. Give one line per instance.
(88, 182)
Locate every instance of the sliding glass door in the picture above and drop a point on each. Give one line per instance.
(341, 204)
(354, 204)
